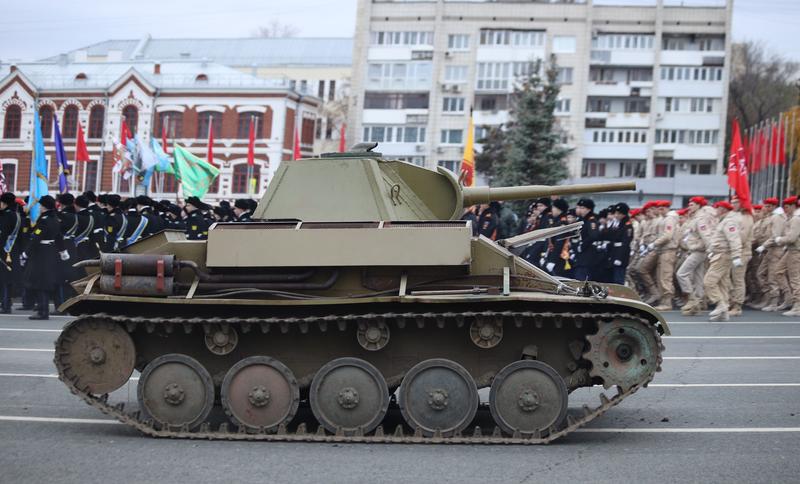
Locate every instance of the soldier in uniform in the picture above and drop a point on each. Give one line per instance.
(10, 227)
(648, 259)
(45, 250)
(196, 223)
(172, 218)
(701, 220)
(774, 274)
(725, 253)
(556, 257)
(90, 234)
(738, 290)
(587, 260)
(542, 219)
(116, 223)
(241, 211)
(620, 236)
(791, 241)
(756, 292)
(487, 222)
(666, 246)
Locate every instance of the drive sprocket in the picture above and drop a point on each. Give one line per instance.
(624, 353)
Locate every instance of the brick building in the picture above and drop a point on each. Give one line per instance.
(189, 98)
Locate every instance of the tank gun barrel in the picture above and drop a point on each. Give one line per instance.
(478, 195)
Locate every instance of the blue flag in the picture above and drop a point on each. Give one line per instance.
(61, 157)
(164, 160)
(38, 187)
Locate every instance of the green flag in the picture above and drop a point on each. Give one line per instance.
(194, 174)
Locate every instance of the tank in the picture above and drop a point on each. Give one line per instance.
(359, 309)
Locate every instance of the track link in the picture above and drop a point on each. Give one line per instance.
(226, 431)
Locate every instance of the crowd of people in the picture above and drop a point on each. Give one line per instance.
(38, 258)
(721, 255)
(701, 256)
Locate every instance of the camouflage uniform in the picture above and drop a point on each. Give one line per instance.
(738, 273)
(791, 242)
(725, 247)
(667, 245)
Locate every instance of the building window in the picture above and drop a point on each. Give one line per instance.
(387, 100)
(96, 118)
(453, 104)
(599, 105)
(638, 105)
(201, 79)
(307, 131)
(458, 42)
(593, 168)
(13, 122)
(69, 129)
(564, 75)
(399, 75)
(493, 75)
(518, 38)
(321, 90)
(329, 128)
(401, 38)
(240, 183)
(331, 90)
(664, 170)
(90, 180)
(46, 118)
(632, 169)
(452, 136)
(10, 174)
(701, 169)
(564, 44)
(173, 121)
(130, 116)
(698, 74)
(452, 165)
(455, 74)
(623, 42)
(245, 120)
(205, 121)
(394, 134)
(562, 106)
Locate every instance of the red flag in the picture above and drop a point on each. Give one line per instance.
(81, 153)
(251, 145)
(210, 155)
(342, 141)
(164, 138)
(737, 169)
(297, 154)
(762, 148)
(780, 157)
(124, 133)
(773, 145)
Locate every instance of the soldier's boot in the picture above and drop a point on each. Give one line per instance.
(787, 304)
(703, 304)
(772, 305)
(759, 302)
(720, 313)
(735, 310)
(692, 307)
(652, 299)
(795, 311)
(665, 304)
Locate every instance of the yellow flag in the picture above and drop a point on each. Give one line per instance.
(468, 160)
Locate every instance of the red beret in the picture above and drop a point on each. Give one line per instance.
(647, 205)
(683, 211)
(758, 207)
(699, 200)
(723, 204)
(635, 212)
(790, 200)
(771, 201)
(20, 202)
(664, 203)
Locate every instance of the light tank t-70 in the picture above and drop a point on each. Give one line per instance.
(360, 309)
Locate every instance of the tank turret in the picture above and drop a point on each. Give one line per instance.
(362, 186)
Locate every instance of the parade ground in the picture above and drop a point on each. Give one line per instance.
(725, 408)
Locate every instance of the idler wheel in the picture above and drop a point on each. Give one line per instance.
(260, 393)
(221, 340)
(486, 333)
(623, 353)
(528, 397)
(438, 395)
(175, 390)
(348, 394)
(373, 336)
(96, 356)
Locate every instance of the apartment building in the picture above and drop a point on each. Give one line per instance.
(643, 87)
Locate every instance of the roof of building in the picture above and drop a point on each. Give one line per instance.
(173, 75)
(294, 51)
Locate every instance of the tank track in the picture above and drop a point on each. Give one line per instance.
(225, 431)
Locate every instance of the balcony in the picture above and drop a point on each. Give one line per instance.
(490, 117)
(623, 57)
(692, 58)
(620, 89)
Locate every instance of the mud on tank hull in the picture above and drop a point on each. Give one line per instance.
(351, 352)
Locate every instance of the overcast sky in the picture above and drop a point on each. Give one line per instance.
(33, 29)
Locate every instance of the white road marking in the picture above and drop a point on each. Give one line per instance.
(41, 350)
(12, 418)
(732, 357)
(31, 330)
(730, 337)
(720, 385)
(692, 430)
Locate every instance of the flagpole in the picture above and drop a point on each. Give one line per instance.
(249, 166)
(792, 148)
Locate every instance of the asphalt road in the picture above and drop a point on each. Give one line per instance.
(726, 408)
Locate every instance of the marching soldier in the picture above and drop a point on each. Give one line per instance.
(88, 238)
(586, 256)
(556, 259)
(116, 224)
(756, 292)
(45, 250)
(774, 275)
(621, 236)
(725, 253)
(738, 273)
(10, 227)
(648, 258)
(196, 223)
(666, 245)
(791, 241)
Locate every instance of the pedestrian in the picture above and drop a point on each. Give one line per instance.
(44, 252)
(724, 253)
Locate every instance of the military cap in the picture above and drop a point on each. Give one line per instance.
(8, 198)
(771, 201)
(82, 201)
(561, 204)
(65, 199)
(48, 202)
(197, 203)
(586, 202)
(622, 208)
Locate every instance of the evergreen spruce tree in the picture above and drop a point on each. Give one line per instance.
(534, 154)
(493, 153)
